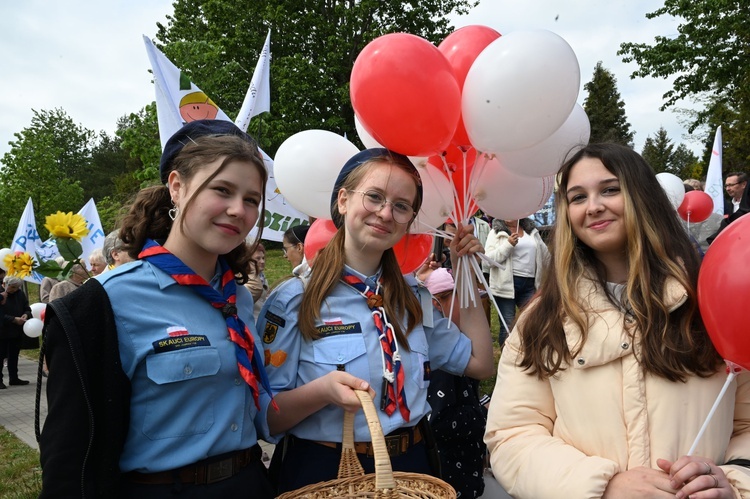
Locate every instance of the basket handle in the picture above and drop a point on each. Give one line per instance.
(383, 471)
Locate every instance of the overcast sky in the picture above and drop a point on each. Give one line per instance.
(88, 58)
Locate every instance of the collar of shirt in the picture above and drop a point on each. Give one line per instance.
(371, 281)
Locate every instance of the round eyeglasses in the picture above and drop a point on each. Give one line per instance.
(401, 211)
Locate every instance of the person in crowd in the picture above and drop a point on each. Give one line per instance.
(738, 204)
(16, 311)
(609, 373)
(458, 417)
(113, 250)
(293, 245)
(156, 373)
(696, 184)
(77, 276)
(358, 324)
(48, 282)
(97, 262)
(256, 279)
(518, 247)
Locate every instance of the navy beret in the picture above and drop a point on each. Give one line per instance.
(191, 131)
(363, 157)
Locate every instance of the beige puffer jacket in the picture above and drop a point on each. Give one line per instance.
(569, 435)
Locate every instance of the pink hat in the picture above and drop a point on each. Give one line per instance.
(440, 280)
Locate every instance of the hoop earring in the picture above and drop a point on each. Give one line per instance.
(173, 212)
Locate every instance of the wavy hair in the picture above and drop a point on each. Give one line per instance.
(398, 298)
(148, 216)
(672, 344)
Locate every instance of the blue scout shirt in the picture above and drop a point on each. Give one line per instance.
(349, 342)
(188, 399)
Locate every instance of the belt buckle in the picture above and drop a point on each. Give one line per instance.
(393, 445)
(220, 470)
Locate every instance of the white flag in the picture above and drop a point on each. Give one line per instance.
(178, 100)
(27, 240)
(258, 96)
(95, 238)
(714, 180)
(176, 105)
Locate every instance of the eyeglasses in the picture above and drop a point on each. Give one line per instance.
(373, 201)
(731, 185)
(286, 248)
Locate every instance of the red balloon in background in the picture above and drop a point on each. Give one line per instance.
(321, 231)
(696, 207)
(461, 48)
(454, 157)
(405, 94)
(724, 292)
(411, 251)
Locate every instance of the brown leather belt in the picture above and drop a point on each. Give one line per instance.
(397, 443)
(214, 469)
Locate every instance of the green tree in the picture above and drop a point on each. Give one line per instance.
(43, 164)
(710, 59)
(686, 163)
(658, 151)
(313, 43)
(605, 109)
(140, 138)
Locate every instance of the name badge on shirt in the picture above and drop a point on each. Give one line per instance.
(327, 330)
(180, 342)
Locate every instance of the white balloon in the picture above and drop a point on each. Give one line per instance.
(504, 194)
(3, 253)
(673, 186)
(546, 157)
(367, 139)
(437, 200)
(33, 328)
(520, 89)
(306, 167)
(37, 309)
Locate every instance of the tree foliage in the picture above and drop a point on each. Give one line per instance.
(605, 109)
(663, 156)
(710, 60)
(313, 43)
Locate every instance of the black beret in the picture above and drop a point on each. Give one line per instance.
(193, 130)
(360, 158)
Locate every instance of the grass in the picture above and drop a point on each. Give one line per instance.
(20, 474)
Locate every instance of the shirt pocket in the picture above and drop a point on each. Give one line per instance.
(420, 361)
(341, 350)
(183, 387)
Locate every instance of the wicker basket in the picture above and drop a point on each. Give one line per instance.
(352, 483)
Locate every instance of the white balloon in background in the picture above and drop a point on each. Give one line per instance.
(37, 309)
(306, 167)
(520, 89)
(437, 200)
(673, 186)
(367, 140)
(33, 328)
(3, 253)
(507, 195)
(546, 157)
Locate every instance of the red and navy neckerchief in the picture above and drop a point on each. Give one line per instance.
(249, 360)
(393, 371)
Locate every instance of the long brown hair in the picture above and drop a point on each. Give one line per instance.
(148, 217)
(672, 344)
(398, 298)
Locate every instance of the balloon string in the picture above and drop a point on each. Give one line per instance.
(730, 378)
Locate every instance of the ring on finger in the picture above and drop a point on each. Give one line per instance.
(716, 481)
(708, 469)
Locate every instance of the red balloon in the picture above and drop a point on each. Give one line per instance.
(461, 48)
(405, 94)
(454, 158)
(696, 207)
(411, 251)
(724, 292)
(321, 231)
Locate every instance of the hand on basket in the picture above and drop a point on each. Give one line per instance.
(340, 388)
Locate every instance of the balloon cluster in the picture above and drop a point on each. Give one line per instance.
(486, 119)
(693, 206)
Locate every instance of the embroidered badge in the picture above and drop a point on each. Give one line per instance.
(276, 359)
(327, 330)
(271, 317)
(269, 333)
(177, 331)
(180, 342)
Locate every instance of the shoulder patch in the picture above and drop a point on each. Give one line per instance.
(271, 317)
(269, 333)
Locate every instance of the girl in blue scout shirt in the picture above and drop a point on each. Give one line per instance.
(156, 373)
(358, 324)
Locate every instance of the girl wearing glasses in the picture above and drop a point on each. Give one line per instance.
(358, 324)
(293, 245)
